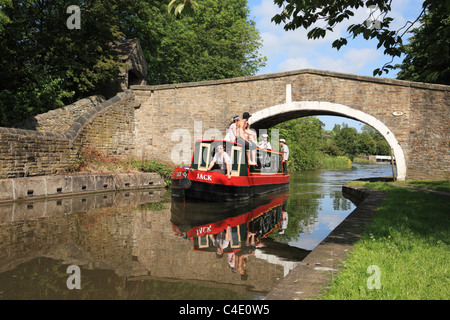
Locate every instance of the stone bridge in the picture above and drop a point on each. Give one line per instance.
(162, 122)
(412, 117)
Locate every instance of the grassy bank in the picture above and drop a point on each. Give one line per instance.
(92, 160)
(432, 185)
(330, 162)
(406, 248)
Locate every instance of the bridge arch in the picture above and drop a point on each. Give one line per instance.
(273, 115)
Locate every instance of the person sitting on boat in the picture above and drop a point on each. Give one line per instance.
(284, 155)
(222, 159)
(264, 144)
(242, 139)
(221, 241)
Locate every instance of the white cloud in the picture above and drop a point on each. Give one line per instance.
(350, 61)
(294, 64)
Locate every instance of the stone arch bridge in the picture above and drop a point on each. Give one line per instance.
(412, 117)
(162, 122)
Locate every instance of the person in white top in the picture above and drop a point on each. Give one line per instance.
(284, 155)
(231, 133)
(230, 138)
(264, 144)
(222, 159)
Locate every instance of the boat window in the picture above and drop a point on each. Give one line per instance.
(205, 156)
(235, 237)
(203, 241)
(236, 156)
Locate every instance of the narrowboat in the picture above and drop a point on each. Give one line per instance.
(196, 182)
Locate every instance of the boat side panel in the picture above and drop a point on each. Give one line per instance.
(216, 192)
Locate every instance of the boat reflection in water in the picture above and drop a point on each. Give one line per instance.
(238, 230)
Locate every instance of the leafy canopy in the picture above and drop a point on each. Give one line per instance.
(322, 16)
(428, 53)
(46, 65)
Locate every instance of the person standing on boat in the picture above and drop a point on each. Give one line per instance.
(284, 155)
(264, 144)
(242, 139)
(222, 159)
(250, 135)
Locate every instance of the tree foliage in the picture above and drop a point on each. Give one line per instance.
(47, 65)
(321, 17)
(428, 53)
(216, 40)
(309, 144)
(304, 137)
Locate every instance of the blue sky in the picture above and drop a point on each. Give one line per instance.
(292, 50)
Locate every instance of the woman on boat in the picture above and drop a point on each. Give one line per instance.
(230, 138)
(241, 138)
(222, 159)
(231, 133)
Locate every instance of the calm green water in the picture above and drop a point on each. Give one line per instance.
(139, 245)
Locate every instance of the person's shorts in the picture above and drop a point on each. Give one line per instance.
(247, 144)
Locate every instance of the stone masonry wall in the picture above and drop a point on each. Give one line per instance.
(107, 126)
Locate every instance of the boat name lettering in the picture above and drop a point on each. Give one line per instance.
(203, 230)
(205, 177)
(182, 174)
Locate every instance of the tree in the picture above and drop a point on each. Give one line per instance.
(309, 14)
(346, 140)
(47, 65)
(304, 138)
(428, 53)
(366, 144)
(179, 5)
(381, 145)
(216, 41)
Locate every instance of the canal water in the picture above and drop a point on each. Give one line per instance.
(140, 245)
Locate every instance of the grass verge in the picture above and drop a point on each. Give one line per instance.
(404, 254)
(92, 160)
(432, 185)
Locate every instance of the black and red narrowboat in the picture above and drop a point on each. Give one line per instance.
(196, 182)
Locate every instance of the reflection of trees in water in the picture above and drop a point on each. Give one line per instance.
(303, 208)
(339, 202)
(303, 213)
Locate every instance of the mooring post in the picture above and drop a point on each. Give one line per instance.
(392, 163)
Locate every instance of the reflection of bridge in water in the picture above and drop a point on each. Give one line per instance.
(126, 237)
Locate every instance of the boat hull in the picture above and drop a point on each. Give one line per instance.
(214, 186)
